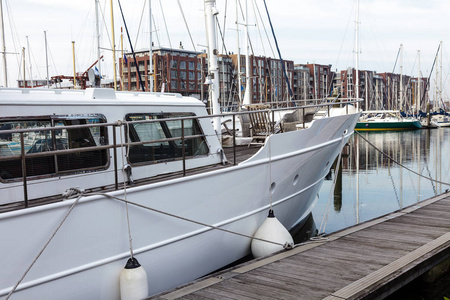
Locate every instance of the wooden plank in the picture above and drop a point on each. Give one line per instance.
(364, 284)
(398, 225)
(214, 294)
(383, 236)
(348, 265)
(190, 288)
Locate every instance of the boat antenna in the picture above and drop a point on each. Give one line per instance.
(131, 45)
(279, 54)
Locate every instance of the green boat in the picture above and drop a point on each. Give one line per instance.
(386, 120)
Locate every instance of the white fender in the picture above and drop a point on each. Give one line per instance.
(133, 281)
(271, 230)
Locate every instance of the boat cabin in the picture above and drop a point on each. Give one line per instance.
(51, 140)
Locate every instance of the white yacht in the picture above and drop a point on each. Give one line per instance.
(70, 160)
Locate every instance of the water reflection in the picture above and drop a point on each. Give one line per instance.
(369, 184)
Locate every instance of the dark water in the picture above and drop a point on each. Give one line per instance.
(370, 185)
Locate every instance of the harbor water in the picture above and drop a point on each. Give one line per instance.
(368, 184)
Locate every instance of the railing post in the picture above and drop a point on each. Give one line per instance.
(116, 178)
(273, 122)
(183, 150)
(234, 139)
(24, 169)
(303, 118)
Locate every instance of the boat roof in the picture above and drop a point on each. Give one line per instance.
(93, 96)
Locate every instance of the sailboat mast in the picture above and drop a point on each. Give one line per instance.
(150, 52)
(238, 54)
(401, 77)
(23, 59)
(248, 85)
(357, 53)
(4, 45)
(29, 58)
(418, 84)
(73, 61)
(113, 46)
(46, 56)
(213, 70)
(440, 76)
(98, 37)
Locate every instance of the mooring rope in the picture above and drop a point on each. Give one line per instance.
(286, 245)
(130, 240)
(398, 163)
(69, 193)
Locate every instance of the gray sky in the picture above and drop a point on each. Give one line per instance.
(314, 31)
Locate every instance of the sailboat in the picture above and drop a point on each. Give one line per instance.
(103, 177)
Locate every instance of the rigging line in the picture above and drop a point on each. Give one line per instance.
(104, 23)
(262, 44)
(132, 51)
(345, 34)
(35, 63)
(140, 23)
(130, 240)
(396, 59)
(230, 69)
(268, 40)
(165, 24)
(264, 27)
(156, 31)
(51, 57)
(185, 23)
(286, 246)
(403, 166)
(429, 76)
(49, 240)
(224, 23)
(279, 53)
(15, 38)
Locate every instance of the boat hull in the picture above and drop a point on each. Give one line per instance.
(85, 257)
(383, 126)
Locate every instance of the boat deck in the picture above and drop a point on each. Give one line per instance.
(242, 153)
(367, 261)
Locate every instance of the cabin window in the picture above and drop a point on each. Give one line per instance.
(43, 140)
(161, 150)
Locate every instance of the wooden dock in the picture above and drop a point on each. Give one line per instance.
(367, 261)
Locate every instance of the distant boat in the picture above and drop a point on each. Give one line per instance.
(386, 120)
(442, 119)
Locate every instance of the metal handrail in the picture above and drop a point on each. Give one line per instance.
(23, 156)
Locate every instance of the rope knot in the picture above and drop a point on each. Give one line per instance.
(288, 246)
(72, 193)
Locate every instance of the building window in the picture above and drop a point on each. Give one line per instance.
(191, 75)
(173, 64)
(174, 84)
(183, 74)
(182, 65)
(191, 65)
(173, 74)
(192, 86)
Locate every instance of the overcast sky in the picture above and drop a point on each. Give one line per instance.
(308, 31)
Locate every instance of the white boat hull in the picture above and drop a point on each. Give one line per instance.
(86, 256)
